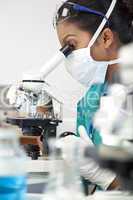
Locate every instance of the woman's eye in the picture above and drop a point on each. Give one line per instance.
(72, 43)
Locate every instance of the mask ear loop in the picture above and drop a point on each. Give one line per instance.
(116, 61)
(104, 21)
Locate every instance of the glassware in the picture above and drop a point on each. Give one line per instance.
(64, 181)
(12, 166)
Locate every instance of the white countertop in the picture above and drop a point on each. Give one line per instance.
(116, 195)
(34, 196)
(39, 165)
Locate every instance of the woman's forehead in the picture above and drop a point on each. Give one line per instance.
(66, 28)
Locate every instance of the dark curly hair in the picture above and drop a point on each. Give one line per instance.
(120, 21)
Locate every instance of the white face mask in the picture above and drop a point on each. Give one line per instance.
(82, 67)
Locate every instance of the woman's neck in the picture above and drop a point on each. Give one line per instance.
(113, 73)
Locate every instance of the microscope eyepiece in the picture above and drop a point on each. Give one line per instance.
(67, 50)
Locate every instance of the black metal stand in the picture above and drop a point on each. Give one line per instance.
(45, 128)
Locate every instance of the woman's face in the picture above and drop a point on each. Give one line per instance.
(104, 48)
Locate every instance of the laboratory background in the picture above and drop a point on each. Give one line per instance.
(66, 130)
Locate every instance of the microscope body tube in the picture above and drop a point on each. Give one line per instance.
(52, 64)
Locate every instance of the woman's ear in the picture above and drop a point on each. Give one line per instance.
(106, 38)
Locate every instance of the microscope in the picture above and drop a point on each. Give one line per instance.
(39, 112)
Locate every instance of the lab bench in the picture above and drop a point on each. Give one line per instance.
(116, 195)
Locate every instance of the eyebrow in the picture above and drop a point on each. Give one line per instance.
(69, 35)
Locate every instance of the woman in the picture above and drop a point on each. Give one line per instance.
(94, 61)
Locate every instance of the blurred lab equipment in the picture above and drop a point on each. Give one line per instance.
(64, 181)
(115, 122)
(12, 159)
